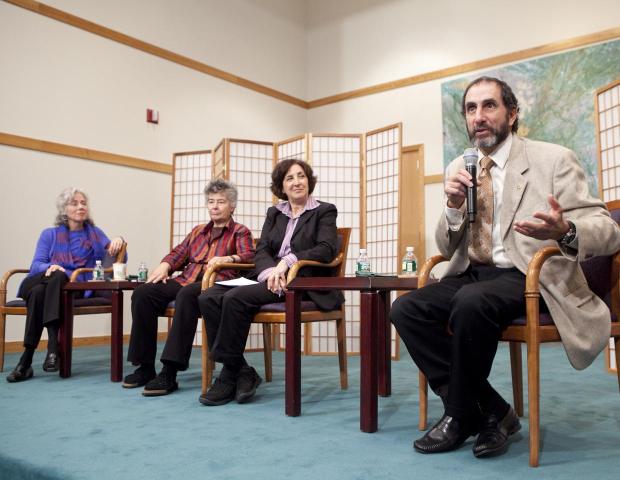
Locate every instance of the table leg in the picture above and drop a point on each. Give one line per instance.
(384, 344)
(65, 334)
(368, 361)
(292, 383)
(116, 337)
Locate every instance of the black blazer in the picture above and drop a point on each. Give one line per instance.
(314, 238)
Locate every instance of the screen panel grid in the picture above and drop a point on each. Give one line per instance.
(191, 174)
(250, 166)
(293, 148)
(608, 103)
(336, 161)
(608, 108)
(383, 149)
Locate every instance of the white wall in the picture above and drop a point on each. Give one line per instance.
(65, 85)
(260, 40)
(358, 43)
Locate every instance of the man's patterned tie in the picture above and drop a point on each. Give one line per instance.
(481, 244)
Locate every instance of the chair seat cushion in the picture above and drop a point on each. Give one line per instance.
(544, 319)
(280, 307)
(78, 302)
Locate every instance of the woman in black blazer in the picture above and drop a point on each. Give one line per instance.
(299, 228)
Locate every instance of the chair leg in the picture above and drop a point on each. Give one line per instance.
(423, 394)
(2, 335)
(533, 385)
(516, 367)
(341, 332)
(267, 350)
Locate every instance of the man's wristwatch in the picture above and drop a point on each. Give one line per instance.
(569, 236)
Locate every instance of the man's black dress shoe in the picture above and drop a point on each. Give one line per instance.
(494, 433)
(50, 364)
(20, 374)
(447, 434)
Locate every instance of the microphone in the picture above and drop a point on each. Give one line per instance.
(471, 160)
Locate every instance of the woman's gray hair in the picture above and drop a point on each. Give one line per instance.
(63, 200)
(220, 185)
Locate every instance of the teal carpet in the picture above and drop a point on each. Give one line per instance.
(86, 427)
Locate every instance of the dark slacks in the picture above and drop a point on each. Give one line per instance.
(452, 328)
(148, 302)
(228, 314)
(42, 296)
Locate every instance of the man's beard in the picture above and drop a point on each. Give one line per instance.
(493, 139)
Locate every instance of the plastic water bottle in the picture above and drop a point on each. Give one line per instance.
(409, 263)
(363, 263)
(143, 272)
(98, 271)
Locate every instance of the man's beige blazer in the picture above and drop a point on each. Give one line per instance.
(535, 169)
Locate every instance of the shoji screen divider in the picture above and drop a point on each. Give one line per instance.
(190, 172)
(359, 173)
(381, 192)
(607, 104)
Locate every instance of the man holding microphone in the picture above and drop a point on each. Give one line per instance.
(529, 195)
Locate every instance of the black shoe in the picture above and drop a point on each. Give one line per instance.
(494, 433)
(447, 434)
(139, 378)
(220, 393)
(19, 374)
(50, 364)
(162, 384)
(247, 383)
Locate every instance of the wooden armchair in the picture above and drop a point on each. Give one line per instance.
(83, 306)
(274, 313)
(603, 276)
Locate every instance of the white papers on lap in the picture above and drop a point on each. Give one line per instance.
(237, 282)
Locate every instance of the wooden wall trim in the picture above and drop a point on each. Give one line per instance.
(429, 179)
(540, 50)
(83, 153)
(75, 21)
(83, 24)
(13, 347)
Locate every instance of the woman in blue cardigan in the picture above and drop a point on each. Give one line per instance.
(73, 243)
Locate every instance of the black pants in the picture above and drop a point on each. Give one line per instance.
(42, 296)
(148, 302)
(452, 329)
(228, 314)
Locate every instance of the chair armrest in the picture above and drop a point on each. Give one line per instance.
(208, 279)
(5, 280)
(120, 256)
(79, 271)
(294, 270)
(425, 271)
(534, 267)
